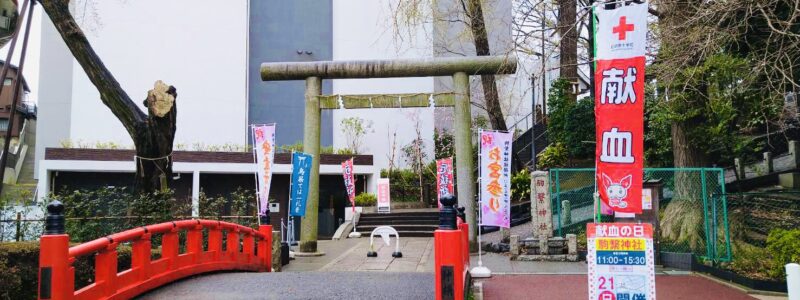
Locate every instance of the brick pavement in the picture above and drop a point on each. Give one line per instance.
(554, 287)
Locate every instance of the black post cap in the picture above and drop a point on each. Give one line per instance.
(265, 218)
(448, 213)
(54, 222)
(462, 213)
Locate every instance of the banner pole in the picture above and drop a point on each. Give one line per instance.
(255, 174)
(480, 271)
(291, 183)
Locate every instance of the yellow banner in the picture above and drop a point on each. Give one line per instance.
(619, 244)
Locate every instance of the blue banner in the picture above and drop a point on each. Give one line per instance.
(301, 170)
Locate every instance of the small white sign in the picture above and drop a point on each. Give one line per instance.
(647, 199)
(274, 207)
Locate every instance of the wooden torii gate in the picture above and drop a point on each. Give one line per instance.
(460, 68)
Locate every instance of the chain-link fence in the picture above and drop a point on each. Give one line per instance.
(692, 209)
(753, 215)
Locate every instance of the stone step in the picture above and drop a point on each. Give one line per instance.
(403, 234)
(411, 218)
(403, 227)
(397, 222)
(403, 214)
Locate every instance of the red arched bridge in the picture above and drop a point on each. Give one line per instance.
(245, 249)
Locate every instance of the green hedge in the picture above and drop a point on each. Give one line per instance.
(366, 199)
(19, 264)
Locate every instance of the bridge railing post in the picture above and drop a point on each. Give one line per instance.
(248, 247)
(105, 270)
(140, 256)
(215, 241)
(232, 246)
(56, 279)
(169, 247)
(450, 257)
(265, 247)
(194, 242)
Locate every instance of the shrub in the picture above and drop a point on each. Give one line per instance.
(751, 261)
(366, 199)
(570, 122)
(554, 156)
(521, 186)
(405, 183)
(784, 247)
(19, 264)
(96, 213)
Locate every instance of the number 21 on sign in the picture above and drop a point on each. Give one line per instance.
(606, 280)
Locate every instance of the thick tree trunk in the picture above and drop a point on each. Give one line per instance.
(154, 139)
(152, 134)
(683, 219)
(481, 39)
(568, 47)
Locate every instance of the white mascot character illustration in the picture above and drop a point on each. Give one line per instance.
(617, 191)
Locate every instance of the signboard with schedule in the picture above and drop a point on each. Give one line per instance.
(621, 261)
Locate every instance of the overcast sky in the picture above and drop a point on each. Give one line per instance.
(31, 71)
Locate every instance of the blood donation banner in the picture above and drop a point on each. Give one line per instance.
(495, 181)
(621, 261)
(621, 36)
(264, 148)
(444, 178)
(349, 181)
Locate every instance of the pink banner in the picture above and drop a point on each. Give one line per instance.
(495, 183)
(349, 181)
(264, 148)
(384, 197)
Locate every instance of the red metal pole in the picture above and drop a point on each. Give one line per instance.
(449, 264)
(265, 247)
(464, 227)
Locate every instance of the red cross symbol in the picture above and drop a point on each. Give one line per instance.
(622, 29)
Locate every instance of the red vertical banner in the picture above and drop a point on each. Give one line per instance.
(444, 178)
(619, 106)
(349, 181)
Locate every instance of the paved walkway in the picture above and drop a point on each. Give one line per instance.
(351, 255)
(345, 272)
(300, 285)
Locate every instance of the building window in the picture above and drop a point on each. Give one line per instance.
(8, 81)
(3, 124)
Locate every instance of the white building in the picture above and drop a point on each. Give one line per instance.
(211, 53)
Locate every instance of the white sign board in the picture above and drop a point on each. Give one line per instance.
(541, 213)
(621, 261)
(647, 199)
(384, 199)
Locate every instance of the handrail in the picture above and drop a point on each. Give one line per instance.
(246, 249)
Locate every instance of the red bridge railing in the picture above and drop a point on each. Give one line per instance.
(246, 250)
(451, 254)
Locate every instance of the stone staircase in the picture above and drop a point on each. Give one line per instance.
(407, 224)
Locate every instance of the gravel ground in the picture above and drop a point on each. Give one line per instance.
(300, 285)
